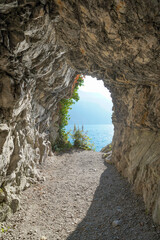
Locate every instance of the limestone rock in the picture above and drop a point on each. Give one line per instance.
(116, 223)
(2, 195)
(43, 238)
(108, 159)
(4, 211)
(14, 205)
(107, 148)
(108, 154)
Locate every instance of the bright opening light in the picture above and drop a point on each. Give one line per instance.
(94, 85)
(93, 111)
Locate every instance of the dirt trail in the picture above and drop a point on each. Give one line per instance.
(81, 199)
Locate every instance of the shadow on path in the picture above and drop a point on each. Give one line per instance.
(114, 200)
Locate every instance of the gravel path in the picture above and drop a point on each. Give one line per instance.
(80, 199)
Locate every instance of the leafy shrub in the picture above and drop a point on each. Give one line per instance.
(81, 140)
(62, 143)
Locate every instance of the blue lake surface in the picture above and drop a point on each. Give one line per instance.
(100, 135)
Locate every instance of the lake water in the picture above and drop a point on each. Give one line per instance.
(100, 135)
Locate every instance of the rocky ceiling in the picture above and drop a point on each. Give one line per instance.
(43, 45)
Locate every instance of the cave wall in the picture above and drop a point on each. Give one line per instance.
(136, 141)
(34, 76)
(44, 44)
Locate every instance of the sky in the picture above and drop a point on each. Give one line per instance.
(94, 85)
(95, 104)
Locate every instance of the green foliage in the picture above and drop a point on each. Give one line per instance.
(62, 143)
(110, 147)
(65, 104)
(81, 140)
(4, 229)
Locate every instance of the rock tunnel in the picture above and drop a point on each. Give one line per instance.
(43, 46)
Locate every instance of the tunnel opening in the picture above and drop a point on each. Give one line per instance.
(93, 113)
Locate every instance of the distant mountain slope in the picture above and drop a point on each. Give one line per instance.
(92, 108)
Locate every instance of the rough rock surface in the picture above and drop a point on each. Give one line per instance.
(43, 45)
(81, 199)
